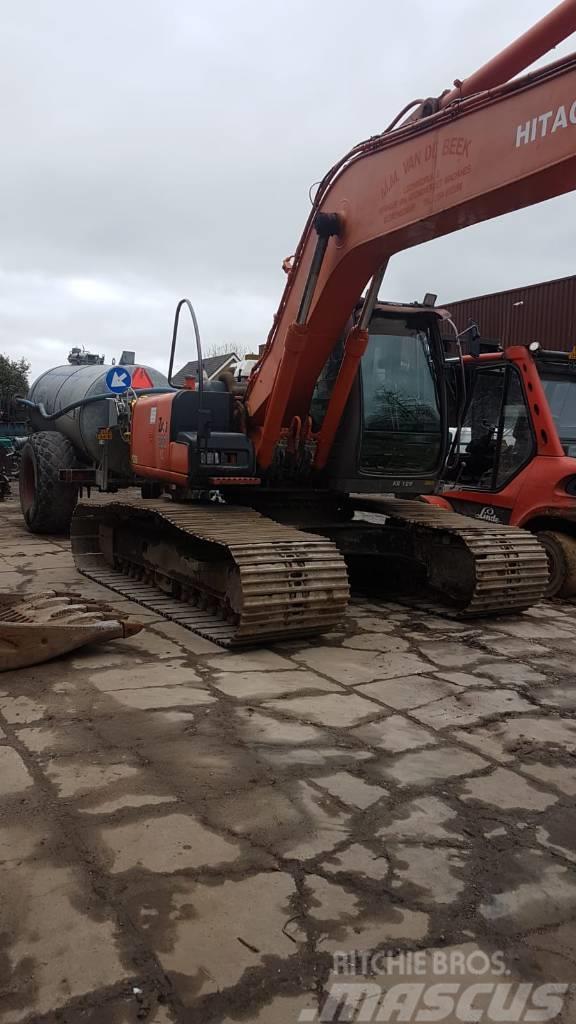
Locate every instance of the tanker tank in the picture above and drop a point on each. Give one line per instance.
(63, 385)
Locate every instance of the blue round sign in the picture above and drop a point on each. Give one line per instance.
(118, 380)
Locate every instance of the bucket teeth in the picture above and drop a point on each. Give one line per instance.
(37, 627)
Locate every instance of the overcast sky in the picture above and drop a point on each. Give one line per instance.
(157, 149)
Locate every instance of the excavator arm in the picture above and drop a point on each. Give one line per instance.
(480, 155)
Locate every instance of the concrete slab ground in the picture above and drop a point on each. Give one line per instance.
(192, 837)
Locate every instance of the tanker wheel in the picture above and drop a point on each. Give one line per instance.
(46, 501)
(561, 552)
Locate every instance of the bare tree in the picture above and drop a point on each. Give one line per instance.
(224, 349)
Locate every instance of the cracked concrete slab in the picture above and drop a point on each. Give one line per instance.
(505, 789)
(336, 920)
(152, 697)
(321, 826)
(424, 818)
(19, 842)
(513, 673)
(351, 789)
(470, 706)
(259, 685)
(426, 766)
(315, 756)
(559, 776)
(432, 875)
(49, 739)
(452, 655)
(21, 709)
(262, 728)
(339, 710)
(206, 955)
(542, 892)
(557, 696)
(357, 859)
(263, 812)
(522, 737)
(41, 902)
(408, 692)
(138, 677)
(251, 661)
(511, 648)
(14, 776)
(465, 679)
(167, 843)
(395, 734)
(187, 848)
(122, 802)
(355, 667)
(74, 777)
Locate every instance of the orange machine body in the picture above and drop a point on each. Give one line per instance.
(543, 492)
(152, 453)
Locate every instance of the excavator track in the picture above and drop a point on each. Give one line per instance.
(475, 568)
(224, 572)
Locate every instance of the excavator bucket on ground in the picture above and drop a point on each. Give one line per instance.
(38, 627)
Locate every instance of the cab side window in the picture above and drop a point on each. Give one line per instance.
(516, 440)
(478, 448)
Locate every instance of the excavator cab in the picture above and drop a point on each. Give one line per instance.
(393, 435)
(514, 459)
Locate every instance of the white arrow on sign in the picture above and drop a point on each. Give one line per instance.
(119, 380)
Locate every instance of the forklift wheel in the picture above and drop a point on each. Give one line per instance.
(561, 551)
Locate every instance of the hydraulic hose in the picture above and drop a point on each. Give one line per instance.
(40, 409)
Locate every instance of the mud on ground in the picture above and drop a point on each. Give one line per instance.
(188, 835)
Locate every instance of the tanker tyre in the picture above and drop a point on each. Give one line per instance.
(47, 503)
(561, 551)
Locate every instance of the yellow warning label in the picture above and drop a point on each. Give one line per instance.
(104, 434)
(572, 354)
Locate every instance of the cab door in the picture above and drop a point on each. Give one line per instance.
(496, 444)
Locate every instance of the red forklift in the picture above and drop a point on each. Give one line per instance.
(513, 453)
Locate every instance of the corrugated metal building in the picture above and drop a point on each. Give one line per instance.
(543, 312)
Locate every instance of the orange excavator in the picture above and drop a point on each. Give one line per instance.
(254, 501)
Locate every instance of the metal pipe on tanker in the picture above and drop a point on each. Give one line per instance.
(552, 29)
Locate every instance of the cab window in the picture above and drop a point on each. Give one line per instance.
(496, 441)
